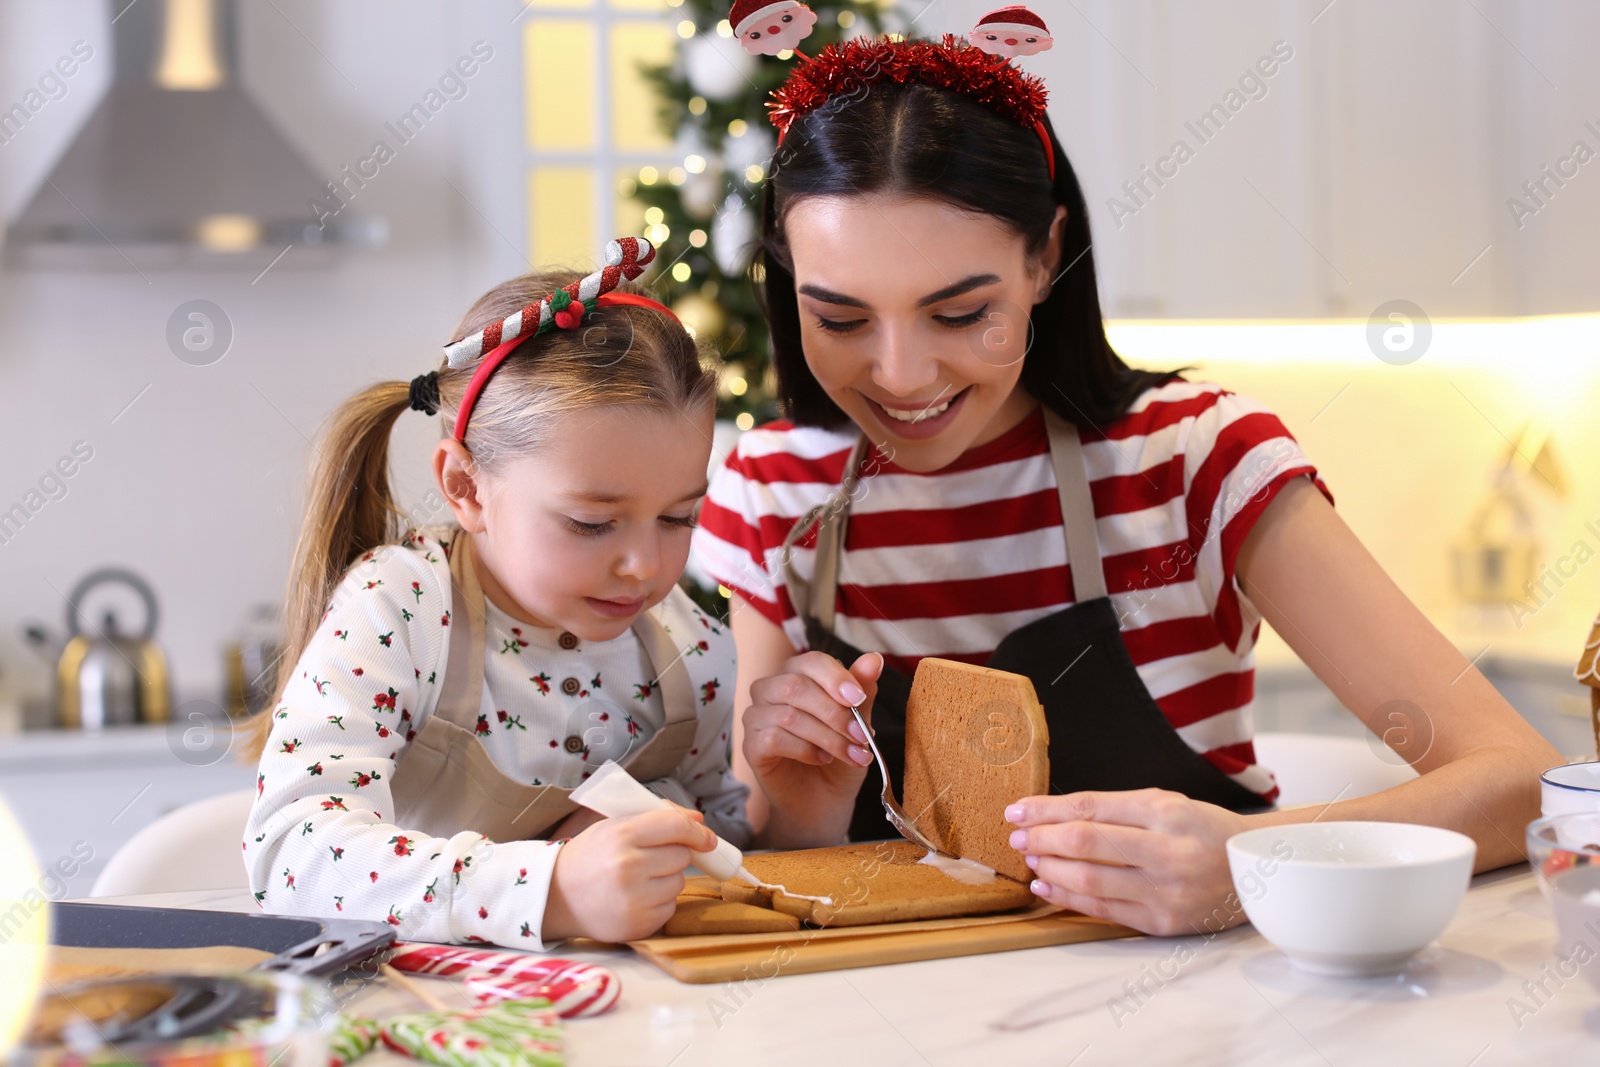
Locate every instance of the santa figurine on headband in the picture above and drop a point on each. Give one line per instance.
(766, 28)
(1010, 32)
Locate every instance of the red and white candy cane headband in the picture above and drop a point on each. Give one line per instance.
(563, 309)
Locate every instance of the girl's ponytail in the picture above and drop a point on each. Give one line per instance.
(350, 510)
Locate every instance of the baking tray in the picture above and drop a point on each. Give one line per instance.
(310, 948)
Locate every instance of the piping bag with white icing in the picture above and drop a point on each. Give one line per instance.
(615, 793)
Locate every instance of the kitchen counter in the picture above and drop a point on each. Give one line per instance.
(1555, 637)
(1534, 673)
(84, 793)
(1232, 999)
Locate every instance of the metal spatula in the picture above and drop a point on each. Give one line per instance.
(897, 817)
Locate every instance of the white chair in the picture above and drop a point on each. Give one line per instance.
(196, 846)
(1319, 768)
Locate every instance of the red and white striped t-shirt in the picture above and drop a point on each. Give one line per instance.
(947, 563)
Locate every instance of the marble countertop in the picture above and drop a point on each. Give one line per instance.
(1232, 999)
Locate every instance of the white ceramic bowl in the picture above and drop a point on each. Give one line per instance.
(1350, 898)
(1570, 788)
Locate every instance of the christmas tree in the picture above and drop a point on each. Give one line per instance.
(713, 104)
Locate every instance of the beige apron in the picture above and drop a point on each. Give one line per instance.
(446, 780)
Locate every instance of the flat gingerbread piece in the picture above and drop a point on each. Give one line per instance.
(875, 882)
(704, 915)
(976, 740)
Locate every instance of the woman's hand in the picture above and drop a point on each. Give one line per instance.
(620, 880)
(1147, 858)
(805, 748)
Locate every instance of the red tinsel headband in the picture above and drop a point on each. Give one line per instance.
(564, 309)
(980, 69)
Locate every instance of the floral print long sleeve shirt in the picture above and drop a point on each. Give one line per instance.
(321, 839)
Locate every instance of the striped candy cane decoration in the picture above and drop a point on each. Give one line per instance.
(576, 992)
(577, 989)
(626, 257)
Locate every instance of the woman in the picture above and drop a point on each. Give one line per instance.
(968, 470)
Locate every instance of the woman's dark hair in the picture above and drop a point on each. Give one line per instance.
(917, 141)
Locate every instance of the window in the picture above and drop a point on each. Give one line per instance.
(591, 120)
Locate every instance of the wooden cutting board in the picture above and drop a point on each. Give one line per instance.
(734, 957)
(937, 917)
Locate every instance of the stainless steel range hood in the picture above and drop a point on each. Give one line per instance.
(177, 166)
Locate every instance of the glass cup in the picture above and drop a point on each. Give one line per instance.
(1562, 843)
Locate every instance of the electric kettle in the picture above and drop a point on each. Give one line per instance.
(107, 677)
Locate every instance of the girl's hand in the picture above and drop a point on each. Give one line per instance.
(620, 880)
(805, 748)
(1147, 858)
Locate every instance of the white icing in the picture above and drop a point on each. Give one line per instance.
(826, 902)
(967, 872)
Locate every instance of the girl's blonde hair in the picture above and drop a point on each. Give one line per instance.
(618, 356)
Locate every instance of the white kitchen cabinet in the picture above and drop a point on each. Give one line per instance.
(1375, 163)
(100, 788)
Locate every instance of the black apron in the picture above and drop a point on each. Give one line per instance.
(1106, 730)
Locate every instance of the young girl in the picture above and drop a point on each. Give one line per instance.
(449, 685)
(968, 470)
